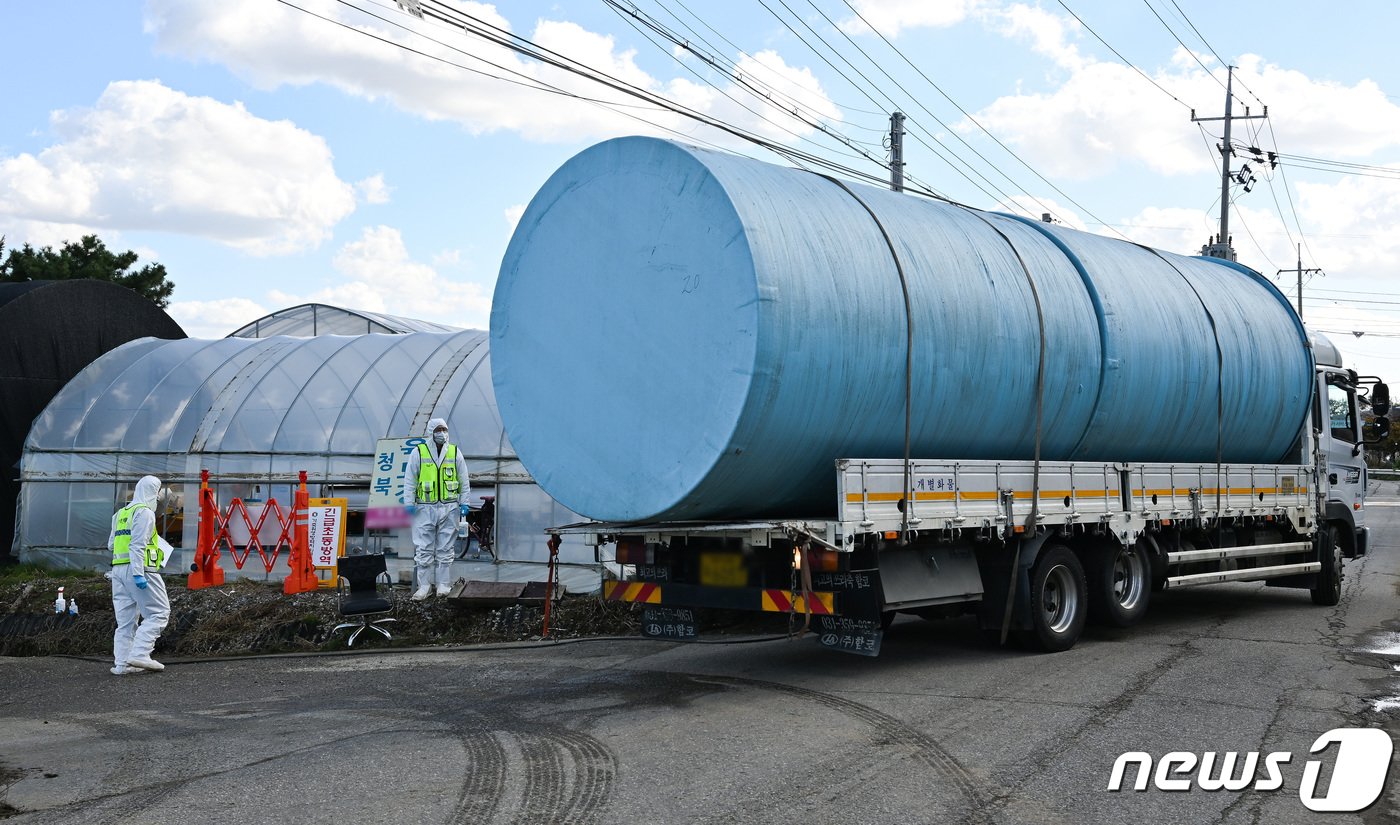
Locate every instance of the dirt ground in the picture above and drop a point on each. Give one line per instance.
(249, 617)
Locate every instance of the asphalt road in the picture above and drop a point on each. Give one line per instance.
(941, 728)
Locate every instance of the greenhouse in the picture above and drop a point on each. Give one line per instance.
(323, 319)
(254, 412)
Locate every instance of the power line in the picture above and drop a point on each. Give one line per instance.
(817, 53)
(492, 34)
(1257, 245)
(794, 112)
(1183, 45)
(1119, 55)
(666, 34)
(1287, 191)
(519, 44)
(1007, 199)
(1202, 37)
(844, 106)
(974, 121)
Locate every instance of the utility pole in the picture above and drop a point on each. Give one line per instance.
(897, 151)
(1221, 247)
(1301, 271)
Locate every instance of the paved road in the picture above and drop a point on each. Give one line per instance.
(941, 728)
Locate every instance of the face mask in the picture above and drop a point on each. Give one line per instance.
(440, 437)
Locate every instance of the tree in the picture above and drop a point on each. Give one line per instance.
(88, 258)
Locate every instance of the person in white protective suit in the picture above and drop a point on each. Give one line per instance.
(138, 591)
(435, 492)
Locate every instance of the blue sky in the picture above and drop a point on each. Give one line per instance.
(268, 157)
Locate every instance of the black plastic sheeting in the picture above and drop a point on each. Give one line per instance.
(50, 331)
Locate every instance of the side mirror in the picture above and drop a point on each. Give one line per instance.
(1376, 431)
(1380, 399)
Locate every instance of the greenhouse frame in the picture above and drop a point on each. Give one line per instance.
(254, 412)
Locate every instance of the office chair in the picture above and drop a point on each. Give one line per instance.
(360, 577)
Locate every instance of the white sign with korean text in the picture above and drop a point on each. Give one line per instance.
(326, 530)
(385, 510)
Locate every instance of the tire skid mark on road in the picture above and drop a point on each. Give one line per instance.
(595, 769)
(485, 780)
(920, 745)
(1110, 711)
(544, 781)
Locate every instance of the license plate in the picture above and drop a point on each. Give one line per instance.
(723, 570)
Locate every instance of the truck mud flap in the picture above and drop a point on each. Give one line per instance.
(858, 628)
(676, 624)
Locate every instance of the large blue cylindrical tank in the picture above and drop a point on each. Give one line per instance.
(684, 334)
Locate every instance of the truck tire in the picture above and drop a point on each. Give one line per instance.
(1120, 584)
(1059, 598)
(1329, 579)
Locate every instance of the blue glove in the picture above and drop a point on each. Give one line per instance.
(410, 508)
(466, 508)
(140, 581)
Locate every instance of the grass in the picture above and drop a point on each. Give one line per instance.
(13, 574)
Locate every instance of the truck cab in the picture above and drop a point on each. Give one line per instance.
(1338, 401)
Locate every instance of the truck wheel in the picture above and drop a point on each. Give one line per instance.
(1120, 583)
(1329, 579)
(1059, 596)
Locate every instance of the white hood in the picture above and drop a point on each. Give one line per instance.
(147, 489)
(434, 423)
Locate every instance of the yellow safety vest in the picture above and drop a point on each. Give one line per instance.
(121, 545)
(438, 482)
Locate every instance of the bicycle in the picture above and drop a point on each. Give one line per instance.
(481, 527)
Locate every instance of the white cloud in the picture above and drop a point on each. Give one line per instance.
(1088, 126)
(39, 234)
(1105, 114)
(512, 215)
(272, 45)
(373, 189)
(448, 257)
(1183, 231)
(379, 275)
(1320, 116)
(890, 17)
(147, 157)
(215, 319)
(1050, 34)
(1353, 225)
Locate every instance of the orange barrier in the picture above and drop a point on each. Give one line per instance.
(302, 578)
(206, 572)
(215, 535)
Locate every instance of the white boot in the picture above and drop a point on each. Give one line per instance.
(444, 578)
(424, 576)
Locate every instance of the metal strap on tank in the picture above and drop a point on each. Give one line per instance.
(907, 503)
(1219, 373)
(1033, 520)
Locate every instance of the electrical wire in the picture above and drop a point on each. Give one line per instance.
(950, 130)
(974, 121)
(1125, 61)
(1239, 215)
(698, 36)
(1172, 31)
(1287, 191)
(500, 37)
(1006, 198)
(794, 112)
(817, 53)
